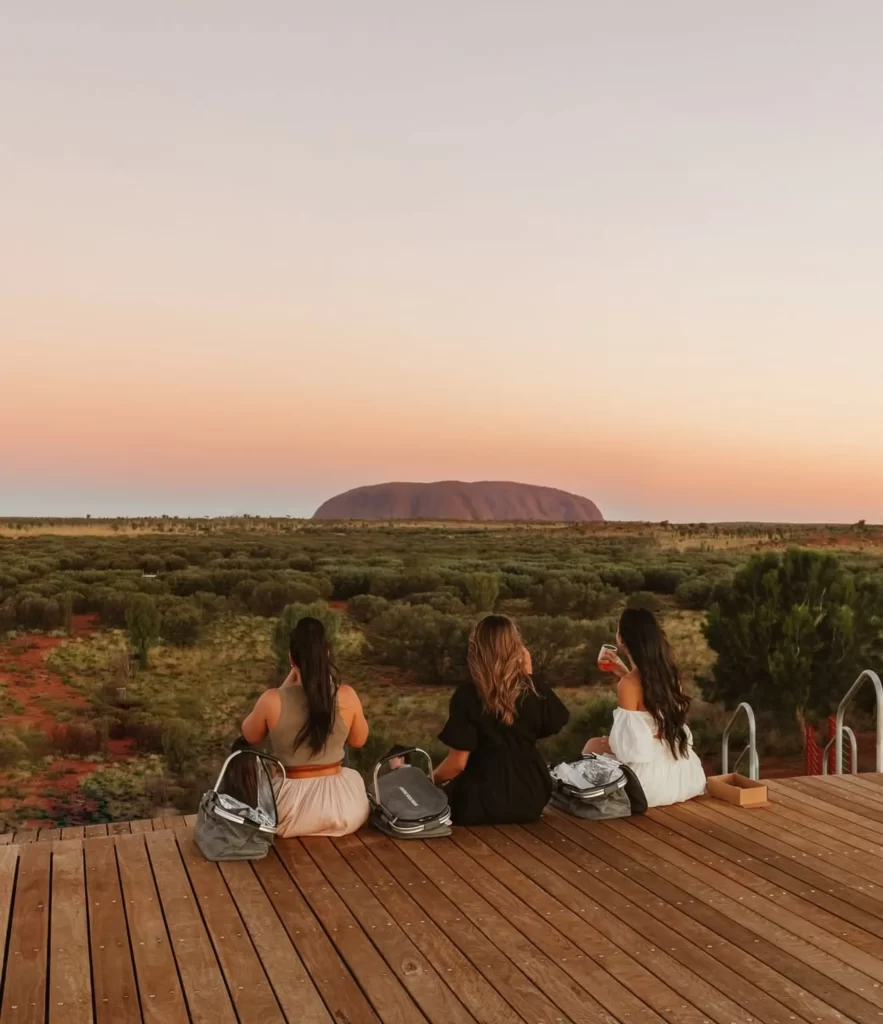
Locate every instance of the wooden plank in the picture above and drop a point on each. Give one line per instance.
(491, 876)
(841, 938)
(295, 991)
(24, 836)
(201, 977)
(572, 1000)
(160, 824)
(778, 972)
(788, 809)
(478, 994)
(825, 788)
(802, 864)
(764, 867)
(840, 854)
(73, 832)
(70, 981)
(765, 993)
(142, 825)
(94, 831)
(113, 974)
(383, 990)
(501, 972)
(119, 828)
(651, 973)
(340, 992)
(48, 835)
(415, 973)
(8, 868)
(785, 930)
(24, 993)
(807, 799)
(252, 994)
(162, 999)
(189, 820)
(6, 838)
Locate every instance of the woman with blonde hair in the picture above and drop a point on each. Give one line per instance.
(495, 773)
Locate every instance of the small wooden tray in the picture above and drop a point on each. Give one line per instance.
(738, 790)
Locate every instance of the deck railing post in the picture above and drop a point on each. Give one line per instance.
(841, 713)
(751, 749)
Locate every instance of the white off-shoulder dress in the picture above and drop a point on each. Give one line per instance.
(666, 779)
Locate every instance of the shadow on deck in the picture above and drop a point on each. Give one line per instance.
(693, 914)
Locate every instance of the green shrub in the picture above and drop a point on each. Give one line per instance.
(290, 617)
(12, 749)
(182, 623)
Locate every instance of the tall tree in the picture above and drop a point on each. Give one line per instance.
(143, 622)
(791, 632)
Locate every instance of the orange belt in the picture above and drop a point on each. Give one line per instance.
(312, 771)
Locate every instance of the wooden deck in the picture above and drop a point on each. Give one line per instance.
(695, 914)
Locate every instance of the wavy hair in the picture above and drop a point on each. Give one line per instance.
(652, 655)
(311, 656)
(497, 666)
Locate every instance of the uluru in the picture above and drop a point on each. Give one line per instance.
(486, 501)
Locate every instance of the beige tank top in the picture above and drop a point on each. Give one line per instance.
(292, 718)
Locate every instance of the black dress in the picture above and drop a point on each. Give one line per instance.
(505, 780)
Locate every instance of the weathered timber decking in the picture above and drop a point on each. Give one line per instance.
(696, 914)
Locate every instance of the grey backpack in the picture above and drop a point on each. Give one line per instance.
(405, 802)
(237, 820)
(596, 787)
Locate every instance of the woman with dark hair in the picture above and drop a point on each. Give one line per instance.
(495, 773)
(650, 732)
(309, 720)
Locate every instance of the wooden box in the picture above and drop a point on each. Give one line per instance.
(738, 790)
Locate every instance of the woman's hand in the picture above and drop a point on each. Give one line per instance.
(613, 663)
(598, 745)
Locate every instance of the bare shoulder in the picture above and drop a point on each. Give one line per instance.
(629, 694)
(347, 698)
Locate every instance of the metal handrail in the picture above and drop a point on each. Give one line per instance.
(841, 712)
(853, 751)
(751, 749)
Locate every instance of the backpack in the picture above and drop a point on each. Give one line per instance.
(238, 820)
(596, 787)
(405, 802)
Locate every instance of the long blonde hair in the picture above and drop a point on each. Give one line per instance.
(497, 665)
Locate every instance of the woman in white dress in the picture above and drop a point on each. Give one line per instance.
(650, 732)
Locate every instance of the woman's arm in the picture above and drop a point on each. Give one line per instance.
(451, 767)
(628, 693)
(351, 708)
(257, 724)
(599, 745)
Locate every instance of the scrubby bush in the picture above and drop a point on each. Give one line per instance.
(365, 607)
(182, 623)
(290, 617)
(143, 623)
(418, 638)
(644, 599)
(563, 650)
(12, 749)
(482, 589)
(695, 594)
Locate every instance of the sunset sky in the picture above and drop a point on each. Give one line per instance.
(255, 254)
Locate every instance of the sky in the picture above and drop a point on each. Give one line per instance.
(252, 255)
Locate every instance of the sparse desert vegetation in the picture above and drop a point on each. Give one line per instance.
(130, 649)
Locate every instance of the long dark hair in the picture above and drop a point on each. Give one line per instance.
(311, 656)
(651, 653)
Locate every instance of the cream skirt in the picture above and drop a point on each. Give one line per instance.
(331, 805)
